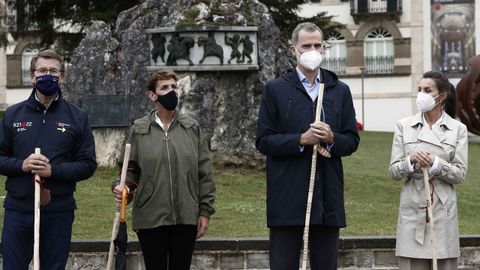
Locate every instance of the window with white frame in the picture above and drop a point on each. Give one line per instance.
(28, 53)
(335, 56)
(379, 51)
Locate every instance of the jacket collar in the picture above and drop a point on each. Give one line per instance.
(437, 134)
(447, 121)
(178, 118)
(328, 78)
(302, 77)
(33, 102)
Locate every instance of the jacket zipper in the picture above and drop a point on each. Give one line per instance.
(44, 115)
(166, 138)
(43, 127)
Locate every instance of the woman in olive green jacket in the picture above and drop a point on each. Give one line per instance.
(170, 177)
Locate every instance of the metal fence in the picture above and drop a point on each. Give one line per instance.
(379, 64)
(335, 64)
(369, 6)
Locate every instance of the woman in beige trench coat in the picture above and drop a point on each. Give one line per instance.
(432, 139)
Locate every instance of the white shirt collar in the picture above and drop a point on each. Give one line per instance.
(303, 78)
(159, 122)
(434, 124)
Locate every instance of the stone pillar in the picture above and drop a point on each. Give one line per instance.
(418, 50)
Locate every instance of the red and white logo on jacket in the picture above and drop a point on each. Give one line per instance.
(22, 126)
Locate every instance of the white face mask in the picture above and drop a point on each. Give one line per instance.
(310, 59)
(425, 102)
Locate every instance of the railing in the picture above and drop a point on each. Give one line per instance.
(335, 64)
(379, 64)
(369, 6)
(378, 6)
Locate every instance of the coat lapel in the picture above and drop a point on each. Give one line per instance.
(446, 126)
(439, 133)
(434, 136)
(292, 76)
(427, 135)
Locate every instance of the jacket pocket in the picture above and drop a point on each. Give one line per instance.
(192, 188)
(144, 193)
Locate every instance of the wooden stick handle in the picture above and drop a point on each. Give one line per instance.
(311, 186)
(430, 224)
(116, 219)
(36, 232)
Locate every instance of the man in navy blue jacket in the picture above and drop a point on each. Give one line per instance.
(286, 133)
(61, 130)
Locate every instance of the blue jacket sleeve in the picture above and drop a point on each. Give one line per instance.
(269, 140)
(83, 163)
(9, 166)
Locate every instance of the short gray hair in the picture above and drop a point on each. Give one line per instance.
(307, 26)
(47, 54)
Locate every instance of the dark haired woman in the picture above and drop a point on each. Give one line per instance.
(170, 175)
(432, 138)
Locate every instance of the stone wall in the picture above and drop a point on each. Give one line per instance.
(225, 103)
(356, 253)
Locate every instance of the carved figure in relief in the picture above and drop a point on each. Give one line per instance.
(179, 48)
(210, 47)
(233, 42)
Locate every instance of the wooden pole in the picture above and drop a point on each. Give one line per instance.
(312, 183)
(36, 232)
(430, 222)
(116, 219)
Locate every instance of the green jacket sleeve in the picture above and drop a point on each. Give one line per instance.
(205, 176)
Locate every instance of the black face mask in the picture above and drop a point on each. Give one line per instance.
(169, 101)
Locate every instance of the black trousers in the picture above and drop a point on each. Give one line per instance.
(168, 247)
(286, 245)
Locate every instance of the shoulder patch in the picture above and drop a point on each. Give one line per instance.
(141, 129)
(187, 122)
(140, 126)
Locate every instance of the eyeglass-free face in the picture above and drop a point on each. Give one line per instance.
(308, 41)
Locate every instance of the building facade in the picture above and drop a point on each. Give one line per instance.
(388, 44)
(23, 43)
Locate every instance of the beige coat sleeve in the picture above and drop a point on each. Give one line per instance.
(454, 172)
(398, 162)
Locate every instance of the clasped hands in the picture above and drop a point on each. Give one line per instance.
(422, 157)
(317, 133)
(39, 164)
